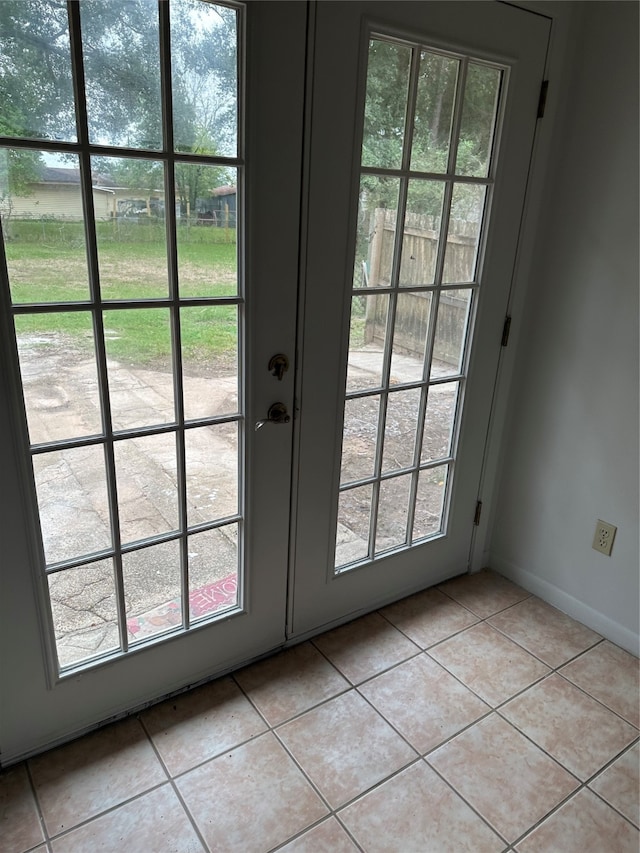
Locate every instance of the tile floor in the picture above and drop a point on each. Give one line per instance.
(471, 717)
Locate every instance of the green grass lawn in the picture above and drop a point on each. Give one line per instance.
(47, 263)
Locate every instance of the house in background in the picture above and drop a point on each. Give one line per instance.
(57, 194)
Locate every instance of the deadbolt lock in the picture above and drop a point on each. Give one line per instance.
(278, 365)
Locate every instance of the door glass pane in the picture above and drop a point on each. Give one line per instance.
(437, 82)
(128, 201)
(36, 87)
(385, 104)
(478, 119)
(84, 611)
(375, 238)
(209, 360)
(439, 420)
(43, 225)
(369, 316)
(212, 472)
(451, 330)
(463, 238)
(354, 518)
(157, 339)
(359, 438)
(400, 429)
(59, 375)
(204, 76)
(413, 314)
(213, 571)
(72, 499)
(207, 248)
(121, 51)
(147, 493)
(429, 502)
(417, 332)
(421, 232)
(138, 346)
(393, 508)
(152, 590)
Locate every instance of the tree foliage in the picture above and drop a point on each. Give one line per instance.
(385, 125)
(121, 63)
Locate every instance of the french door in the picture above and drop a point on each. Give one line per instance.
(414, 213)
(150, 201)
(188, 199)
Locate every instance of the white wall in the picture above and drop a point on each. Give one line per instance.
(570, 454)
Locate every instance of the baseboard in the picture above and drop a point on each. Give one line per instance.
(573, 607)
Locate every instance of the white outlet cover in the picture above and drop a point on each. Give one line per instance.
(603, 537)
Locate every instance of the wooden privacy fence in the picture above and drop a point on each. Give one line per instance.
(417, 267)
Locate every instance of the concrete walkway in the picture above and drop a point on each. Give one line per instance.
(72, 490)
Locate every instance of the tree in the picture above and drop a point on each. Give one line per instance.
(385, 118)
(121, 58)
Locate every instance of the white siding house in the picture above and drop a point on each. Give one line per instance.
(58, 195)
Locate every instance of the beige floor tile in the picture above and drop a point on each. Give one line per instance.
(290, 682)
(610, 675)
(20, 827)
(544, 631)
(511, 782)
(619, 784)
(156, 821)
(327, 837)
(492, 665)
(586, 825)
(484, 593)
(423, 702)
(250, 799)
(345, 747)
(428, 617)
(77, 781)
(365, 647)
(200, 724)
(417, 811)
(576, 730)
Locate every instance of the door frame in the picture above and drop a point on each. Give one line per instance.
(565, 21)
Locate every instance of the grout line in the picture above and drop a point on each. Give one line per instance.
(485, 820)
(68, 830)
(341, 823)
(305, 774)
(174, 786)
(370, 678)
(36, 799)
(595, 699)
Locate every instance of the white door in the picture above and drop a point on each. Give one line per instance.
(149, 186)
(135, 453)
(422, 132)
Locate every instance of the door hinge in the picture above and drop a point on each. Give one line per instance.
(505, 331)
(476, 517)
(542, 101)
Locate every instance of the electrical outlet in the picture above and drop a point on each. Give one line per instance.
(604, 536)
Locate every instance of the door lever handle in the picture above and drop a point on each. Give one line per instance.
(277, 414)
